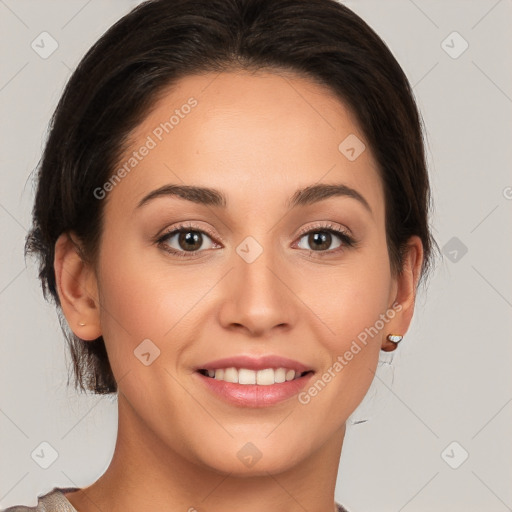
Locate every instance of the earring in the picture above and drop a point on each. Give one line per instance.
(393, 341)
(81, 324)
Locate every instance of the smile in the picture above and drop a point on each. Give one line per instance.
(245, 376)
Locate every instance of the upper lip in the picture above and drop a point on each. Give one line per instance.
(255, 363)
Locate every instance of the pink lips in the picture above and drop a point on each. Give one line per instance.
(254, 395)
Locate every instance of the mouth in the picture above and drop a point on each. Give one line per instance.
(249, 381)
(247, 376)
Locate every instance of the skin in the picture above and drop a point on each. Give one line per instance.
(257, 138)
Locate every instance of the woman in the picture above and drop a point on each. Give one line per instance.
(232, 218)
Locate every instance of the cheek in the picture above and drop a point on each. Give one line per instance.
(134, 304)
(128, 300)
(353, 302)
(351, 298)
(353, 342)
(142, 298)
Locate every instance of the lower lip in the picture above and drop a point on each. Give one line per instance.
(254, 395)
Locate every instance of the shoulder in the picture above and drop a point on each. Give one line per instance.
(53, 501)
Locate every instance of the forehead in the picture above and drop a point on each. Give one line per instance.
(259, 134)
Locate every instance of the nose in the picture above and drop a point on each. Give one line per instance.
(258, 296)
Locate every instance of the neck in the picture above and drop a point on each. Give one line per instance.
(144, 474)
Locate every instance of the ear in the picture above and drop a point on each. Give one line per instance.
(77, 288)
(404, 293)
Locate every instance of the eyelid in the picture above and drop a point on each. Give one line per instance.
(160, 240)
(305, 230)
(325, 225)
(339, 230)
(344, 234)
(172, 230)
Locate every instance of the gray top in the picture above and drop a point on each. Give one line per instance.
(55, 501)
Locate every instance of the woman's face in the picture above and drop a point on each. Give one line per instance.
(258, 273)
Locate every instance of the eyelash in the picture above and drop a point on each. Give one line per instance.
(347, 241)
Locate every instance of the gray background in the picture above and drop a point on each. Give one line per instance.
(451, 378)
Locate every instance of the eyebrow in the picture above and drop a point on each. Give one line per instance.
(212, 197)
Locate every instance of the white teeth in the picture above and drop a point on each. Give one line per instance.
(290, 374)
(246, 376)
(230, 375)
(265, 377)
(280, 375)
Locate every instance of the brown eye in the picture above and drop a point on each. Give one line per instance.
(190, 240)
(184, 240)
(321, 240)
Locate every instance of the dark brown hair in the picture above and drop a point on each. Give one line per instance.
(160, 41)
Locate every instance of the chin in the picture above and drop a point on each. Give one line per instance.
(246, 459)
